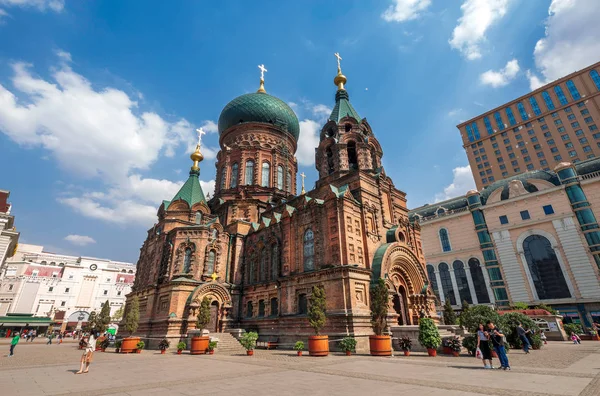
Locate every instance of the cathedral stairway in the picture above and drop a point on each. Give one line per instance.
(227, 344)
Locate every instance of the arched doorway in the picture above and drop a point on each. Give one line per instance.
(213, 326)
(545, 269)
(401, 306)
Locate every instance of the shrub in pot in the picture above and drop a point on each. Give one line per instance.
(536, 341)
(211, 347)
(405, 344)
(299, 346)
(248, 341)
(348, 344)
(180, 347)
(454, 345)
(470, 343)
(445, 347)
(163, 345)
(429, 336)
(139, 346)
(131, 324)
(380, 344)
(200, 343)
(318, 345)
(117, 346)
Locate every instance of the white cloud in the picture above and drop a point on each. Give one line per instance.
(570, 42)
(405, 10)
(501, 77)
(42, 5)
(95, 133)
(79, 240)
(454, 112)
(321, 111)
(3, 14)
(477, 17)
(308, 141)
(461, 183)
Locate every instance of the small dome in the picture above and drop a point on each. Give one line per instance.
(259, 107)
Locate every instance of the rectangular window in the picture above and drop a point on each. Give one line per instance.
(516, 129)
(569, 145)
(581, 104)
(587, 149)
(63, 303)
(503, 219)
(591, 156)
(551, 142)
(494, 145)
(511, 116)
(557, 158)
(486, 164)
(488, 171)
(119, 293)
(588, 120)
(568, 109)
(537, 146)
(482, 173)
(524, 151)
(548, 209)
(540, 154)
(571, 117)
(484, 157)
(511, 155)
(579, 132)
(554, 115)
(497, 152)
(544, 127)
(561, 95)
(534, 106)
(561, 129)
(500, 159)
(492, 179)
(488, 125)
(575, 124)
(565, 137)
(51, 288)
(67, 290)
(541, 119)
(508, 148)
(493, 139)
(572, 153)
(525, 215)
(534, 139)
(558, 122)
(583, 140)
(514, 163)
(504, 134)
(484, 180)
(105, 292)
(504, 174)
(522, 111)
(479, 166)
(517, 170)
(527, 158)
(531, 132)
(499, 121)
(593, 127)
(506, 141)
(519, 137)
(478, 159)
(470, 134)
(529, 166)
(502, 166)
(585, 112)
(543, 162)
(554, 149)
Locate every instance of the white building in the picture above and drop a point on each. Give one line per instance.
(8, 234)
(67, 288)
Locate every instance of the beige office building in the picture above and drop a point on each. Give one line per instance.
(555, 123)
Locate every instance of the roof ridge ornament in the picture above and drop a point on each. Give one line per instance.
(339, 79)
(262, 69)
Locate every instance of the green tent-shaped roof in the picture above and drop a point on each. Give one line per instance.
(343, 108)
(191, 191)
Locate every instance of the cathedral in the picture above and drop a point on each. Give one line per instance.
(258, 246)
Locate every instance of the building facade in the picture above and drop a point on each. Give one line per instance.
(530, 238)
(257, 248)
(9, 237)
(555, 123)
(67, 288)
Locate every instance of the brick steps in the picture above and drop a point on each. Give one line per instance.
(227, 344)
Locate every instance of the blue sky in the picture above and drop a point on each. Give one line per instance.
(99, 99)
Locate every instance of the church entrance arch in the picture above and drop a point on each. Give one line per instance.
(213, 326)
(220, 305)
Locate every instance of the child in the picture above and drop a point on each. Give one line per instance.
(576, 340)
(543, 337)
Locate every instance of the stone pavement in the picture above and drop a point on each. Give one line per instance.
(558, 369)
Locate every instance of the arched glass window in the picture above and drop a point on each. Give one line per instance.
(302, 304)
(223, 178)
(249, 178)
(444, 240)
(234, 176)
(288, 181)
(266, 175)
(198, 217)
(214, 234)
(548, 100)
(596, 77)
(249, 309)
(309, 250)
(535, 106)
(280, 177)
(261, 308)
(187, 260)
(573, 90)
(461, 281)
(433, 280)
(210, 263)
(274, 307)
(561, 95)
(548, 278)
(263, 265)
(352, 158)
(479, 285)
(447, 283)
(274, 262)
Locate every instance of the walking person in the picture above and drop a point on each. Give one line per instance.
(50, 335)
(543, 337)
(522, 333)
(33, 335)
(30, 335)
(498, 342)
(483, 343)
(13, 343)
(88, 354)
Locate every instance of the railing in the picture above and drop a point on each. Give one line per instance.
(588, 176)
(445, 213)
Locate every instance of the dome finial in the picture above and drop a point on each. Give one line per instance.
(340, 79)
(197, 156)
(262, 69)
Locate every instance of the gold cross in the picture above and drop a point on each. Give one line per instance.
(339, 58)
(214, 276)
(262, 71)
(302, 175)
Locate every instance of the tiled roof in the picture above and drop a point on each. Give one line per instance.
(343, 108)
(190, 192)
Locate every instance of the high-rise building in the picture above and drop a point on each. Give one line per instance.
(555, 123)
(9, 237)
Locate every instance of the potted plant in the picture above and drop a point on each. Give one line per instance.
(429, 336)
(454, 345)
(99, 341)
(318, 345)
(406, 345)
(104, 344)
(248, 341)
(139, 346)
(446, 350)
(118, 346)
(180, 347)
(200, 343)
(348, 344)
(163, 345)
(211, 347)
(536, 341)
(299, 346)
(380, 344)
(131, 324)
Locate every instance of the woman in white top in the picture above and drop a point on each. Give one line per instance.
(88, 353)
(483, 343)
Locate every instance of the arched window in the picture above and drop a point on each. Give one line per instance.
(274, 307)
(266, 175)
(209, 267)
(198, 217)
(261, 308)
(352, 158)
(330, 163)
(561, 95)
(251, 269)
(548, 100)
(444, 240)
(288, 181)
(596, 77)
(433, 280)
(187, 260)
(249, 178)
(249, 309)
(234, 176)
(280, 177)
(573, 90)
(223, 178)
(214, 234)
(309, 250)
(263, 265)
(547, 275)
(461, 281)
(274, 261)
(302, 304)
(478, 281)
(447, 283)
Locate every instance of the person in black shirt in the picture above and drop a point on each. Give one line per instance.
(522, 333)
(498, 342)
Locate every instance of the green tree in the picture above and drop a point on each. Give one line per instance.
(449, 314)
(203, 315)
(133, 316)
(91, 323)
(464, 310)
(478, 314)
(520, 305)
(547, 308)
(379, 307)
(509, 322)
(118, 315)
(103, 319)
(317, 309)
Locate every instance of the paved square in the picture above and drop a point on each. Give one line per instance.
(39, 369)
